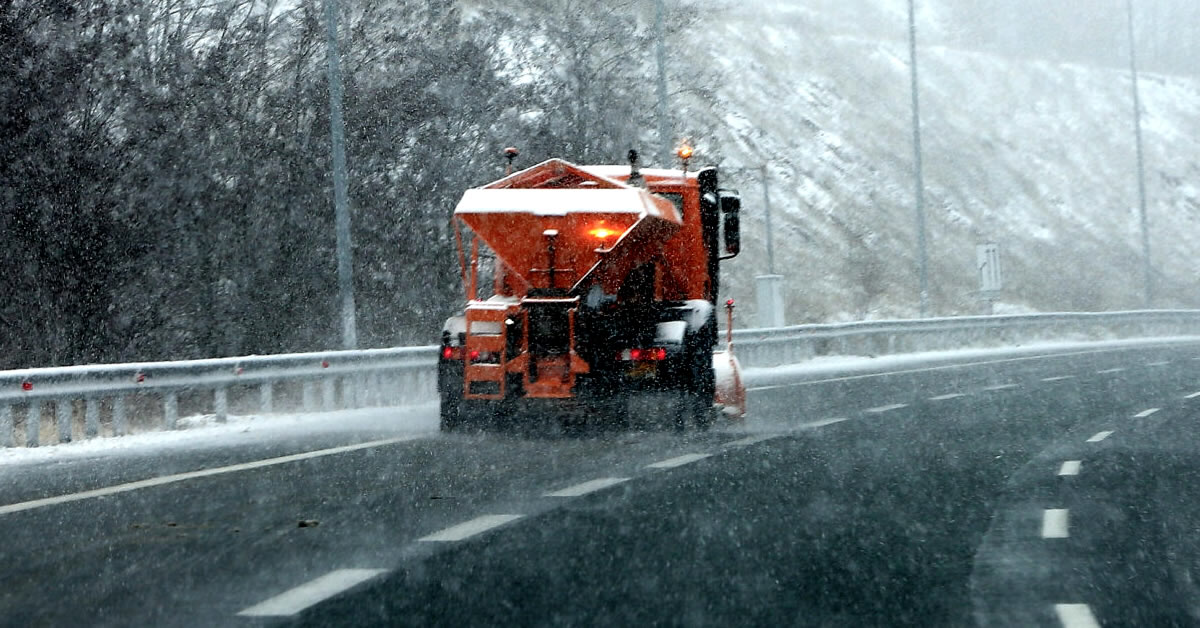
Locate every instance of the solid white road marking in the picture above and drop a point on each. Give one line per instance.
(1193, 395)
(191, 475)
(297, 599)
(887, 408)
(1164, 363)
(1116, 370)
(1002, 387)
(1070, 467)
(1058, 378)
(752, 440)
(1100, 436)
(469, 529)
(584, 488)
(1076, 616)
(947, 396)
(1054, 523)
(678, 461)
(1145, 413)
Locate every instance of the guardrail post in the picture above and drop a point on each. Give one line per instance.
(266, 398)
(91, 418)
(62, 411)
(328, 393)
(362, 390)
(170, 410)
(118, 412)
(221, 405)
(310, 396)
(33, 424)
(6, 426)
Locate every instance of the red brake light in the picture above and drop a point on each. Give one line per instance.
(660, 354)
(635, 354)
(447, 353)
(475, 355)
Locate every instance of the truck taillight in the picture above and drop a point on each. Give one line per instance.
(643, 355)
(447, 353)
(484, 357)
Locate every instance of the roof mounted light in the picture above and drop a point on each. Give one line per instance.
(685, 152)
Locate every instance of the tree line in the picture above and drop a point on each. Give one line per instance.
(164, 164)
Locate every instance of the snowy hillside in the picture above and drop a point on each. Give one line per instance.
(1036, 156)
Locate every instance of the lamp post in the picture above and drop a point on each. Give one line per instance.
(922, 254)
(1147, 274)
(337, 132)
(664, 117)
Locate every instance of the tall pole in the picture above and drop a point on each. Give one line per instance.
(767, 214)
(337, 131)
(664, 115)
(1147, 275)
(920, 179)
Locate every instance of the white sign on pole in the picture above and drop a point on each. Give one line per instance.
(987, 260)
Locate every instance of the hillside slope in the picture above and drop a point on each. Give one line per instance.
(1036, 156)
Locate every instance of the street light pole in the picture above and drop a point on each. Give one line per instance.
(664, 115)
(919, 175)
(1147, 275)
(767, 214)
(337, 131)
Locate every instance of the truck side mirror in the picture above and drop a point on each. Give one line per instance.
(731, 205)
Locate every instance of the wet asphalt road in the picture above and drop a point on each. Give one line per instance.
(933, 496)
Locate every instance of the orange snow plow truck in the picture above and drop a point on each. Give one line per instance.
(603, 304)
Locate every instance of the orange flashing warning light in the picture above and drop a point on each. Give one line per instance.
(602, 233)
(685, 151)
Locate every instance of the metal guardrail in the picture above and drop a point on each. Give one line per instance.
(790, 345)
(117, 399)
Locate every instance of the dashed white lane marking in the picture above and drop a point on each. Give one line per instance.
(887, 408)
(584, 488)
(1076, 616)
(1057, 378)
(1070, 467)
(1116, 370)
(295, 600)
(1145, 413)
(823, 422)
(469, 529)
(1163, 363)
(678, 461)
(1054, 523)
(947, 396)
(752, 440)
(1100, 436)
(191, 475)
(1001, 387)
(1193, 395)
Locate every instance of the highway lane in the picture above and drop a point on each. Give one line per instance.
(898, 514)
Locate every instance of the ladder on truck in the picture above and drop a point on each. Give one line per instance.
(486, 342)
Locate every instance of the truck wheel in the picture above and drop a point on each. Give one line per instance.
(449, 414)
(702, 412)
(693, 410)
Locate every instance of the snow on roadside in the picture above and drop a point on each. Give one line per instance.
(859, 365)
(204, 432)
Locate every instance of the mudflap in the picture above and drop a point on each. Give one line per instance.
(730, 395)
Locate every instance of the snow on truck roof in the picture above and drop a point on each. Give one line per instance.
(560, 202)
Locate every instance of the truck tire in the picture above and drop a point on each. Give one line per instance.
(448, 414)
